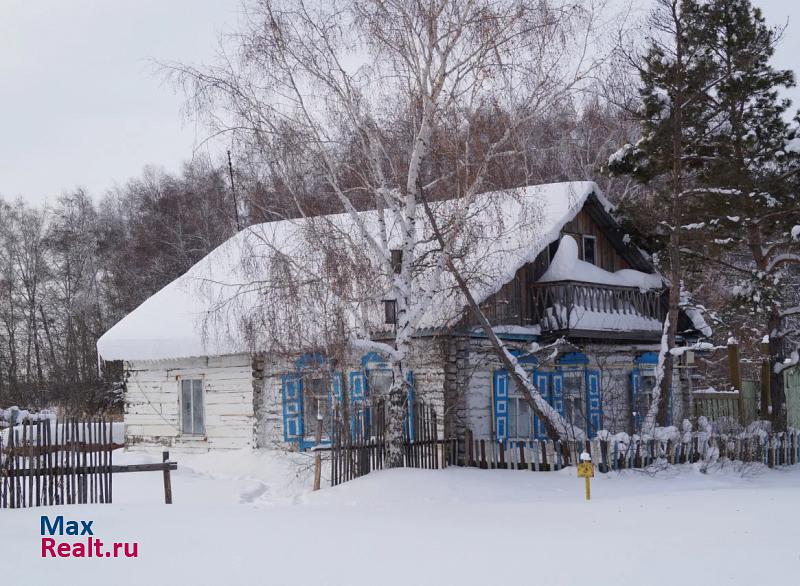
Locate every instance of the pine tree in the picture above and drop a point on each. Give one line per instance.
(676, 77)
(747, 163)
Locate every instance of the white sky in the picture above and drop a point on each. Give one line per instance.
(81, 105)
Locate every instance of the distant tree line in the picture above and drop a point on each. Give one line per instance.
(70, 270)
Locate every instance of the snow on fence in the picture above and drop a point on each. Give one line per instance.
(359, 445)
(776, 449)
(50, 462)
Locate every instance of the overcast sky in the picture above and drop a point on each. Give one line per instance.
(79, 101)
(80, 104)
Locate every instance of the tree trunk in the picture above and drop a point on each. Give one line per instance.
(663, 417)
(674, 236)
(777, 393)
(776, 389)
(397, 412)
(397, 416)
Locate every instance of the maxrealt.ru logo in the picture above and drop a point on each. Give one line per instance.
(88, 547)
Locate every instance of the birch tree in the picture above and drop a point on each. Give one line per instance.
(394, 76)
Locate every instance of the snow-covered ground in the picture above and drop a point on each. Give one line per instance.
(455, 526)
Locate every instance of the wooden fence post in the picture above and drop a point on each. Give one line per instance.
(318, 455)
(735, 374)
(766, 402)
(167, 481)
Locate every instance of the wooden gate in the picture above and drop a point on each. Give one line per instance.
(359, 441)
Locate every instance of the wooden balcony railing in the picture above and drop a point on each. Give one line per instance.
(571, 305)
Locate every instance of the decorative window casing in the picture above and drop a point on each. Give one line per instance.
(582, 393)
(306, 393)
(512, 416)
(643, 380)
(313, 389)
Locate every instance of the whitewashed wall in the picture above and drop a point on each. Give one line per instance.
(268, 403)
(152, 403)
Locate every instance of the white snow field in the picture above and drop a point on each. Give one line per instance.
(414, 527)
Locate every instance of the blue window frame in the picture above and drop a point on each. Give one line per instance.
(312, 389)
(582, 393)
(643, 379)
(307, 392)
(511, 415)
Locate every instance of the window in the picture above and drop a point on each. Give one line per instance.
(589, 249)
(397, 260)
(315, 402)
(390, 311)
(379, 381)
(192, 413)
(575, 398)
(644, 398)
(520, 416)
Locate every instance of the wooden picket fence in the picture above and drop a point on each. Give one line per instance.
(49, 462)
(777, 449)
(359, 443)
(362, 447)
(44, 463)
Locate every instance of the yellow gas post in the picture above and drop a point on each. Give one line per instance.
(586, 471)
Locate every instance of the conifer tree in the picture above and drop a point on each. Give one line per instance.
(747, 162)
(676, 76)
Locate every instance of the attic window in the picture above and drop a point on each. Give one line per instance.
(397, 260)
(390, 311)
(589, 249)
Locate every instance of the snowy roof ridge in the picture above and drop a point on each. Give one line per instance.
(514, 226)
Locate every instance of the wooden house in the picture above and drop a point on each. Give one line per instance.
(199, 384)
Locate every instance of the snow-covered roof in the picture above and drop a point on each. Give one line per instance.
(566, 266)
(218, 306)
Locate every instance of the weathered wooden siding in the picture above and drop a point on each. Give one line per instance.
(512, 304)
(152, 403)
(607, 257)
(269, 406)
